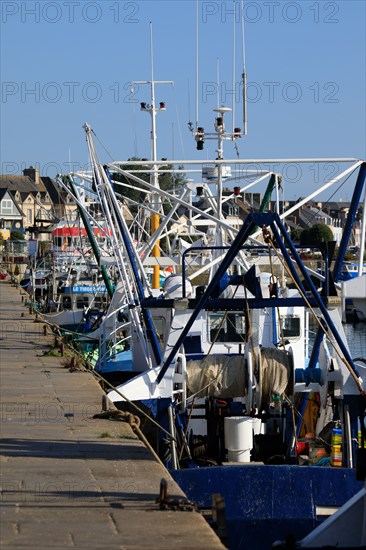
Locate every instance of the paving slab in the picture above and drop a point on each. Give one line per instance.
(69, 480)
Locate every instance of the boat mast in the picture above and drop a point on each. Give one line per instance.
(154, 176)
(220, 129)
(199, 133)
(244, 74)
(92, 239)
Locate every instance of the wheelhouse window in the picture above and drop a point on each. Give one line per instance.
(290, 327)
(99, 302)
(82, 301)
(228, 327)
(66, 302)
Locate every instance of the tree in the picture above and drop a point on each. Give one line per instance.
(16, 235)
(316, 235)
(167, 181)
(320, 233)
(296, 234)
(304, 237)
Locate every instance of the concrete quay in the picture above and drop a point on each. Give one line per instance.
(69, 480)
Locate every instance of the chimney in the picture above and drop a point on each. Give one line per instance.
(32, 173)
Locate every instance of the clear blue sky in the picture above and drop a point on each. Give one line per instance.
(64, 63)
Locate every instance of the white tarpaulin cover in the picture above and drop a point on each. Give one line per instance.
(217, 375)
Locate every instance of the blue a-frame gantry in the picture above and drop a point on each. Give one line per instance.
(282, 241)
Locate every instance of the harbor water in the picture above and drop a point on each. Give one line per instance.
(356, 337)
(355, 334)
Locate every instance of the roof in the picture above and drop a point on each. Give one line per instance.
(57, 196)
(311, 216)
(337, 206)
(23, 184)
(4, 191)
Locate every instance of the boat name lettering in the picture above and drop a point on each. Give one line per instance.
(90, 289)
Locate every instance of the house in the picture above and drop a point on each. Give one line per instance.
(37, 202)
(11, 216)
(332, 214)
(24, 193)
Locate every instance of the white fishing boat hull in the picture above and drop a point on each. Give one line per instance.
(65, 318)
(355, 289)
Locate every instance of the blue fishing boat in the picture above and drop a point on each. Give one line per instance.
(350, 270)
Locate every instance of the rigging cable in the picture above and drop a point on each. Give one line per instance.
(268, 239)
(179, 125)
(331, 196)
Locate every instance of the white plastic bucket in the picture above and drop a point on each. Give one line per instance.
(259, 427)
(238, 437)
(238, 456)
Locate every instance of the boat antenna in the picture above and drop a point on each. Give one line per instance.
(152, 109)
(234, 63)
(244, 73)
(190, 125)
(151, 53)
(218, 81)
(134, 124)
(173, 140)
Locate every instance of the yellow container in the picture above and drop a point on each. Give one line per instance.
(360, 440)
(337, 436)
(336, 456)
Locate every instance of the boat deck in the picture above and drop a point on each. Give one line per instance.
(69, 480)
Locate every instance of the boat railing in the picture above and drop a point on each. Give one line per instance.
(180, 381)
(111, 351)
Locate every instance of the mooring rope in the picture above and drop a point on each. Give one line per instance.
(134, 421)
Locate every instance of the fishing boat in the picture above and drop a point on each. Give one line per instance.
(223, 367)
(227, 370)
(354, 282)
(79, 305)
(247, 409)
(350, 270)
(233, 364)
(70, 243)
(354, 291)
